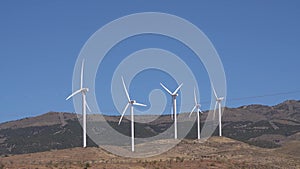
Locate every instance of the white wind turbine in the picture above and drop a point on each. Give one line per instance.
(218, 102)
(174, 95)
(130, 103)
(197, 106)
(83, 91)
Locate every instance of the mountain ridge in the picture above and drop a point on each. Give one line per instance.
(259, 125)
(52, 118)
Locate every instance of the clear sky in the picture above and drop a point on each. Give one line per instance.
(257, 41)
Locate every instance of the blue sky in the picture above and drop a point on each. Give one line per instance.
(257, 41)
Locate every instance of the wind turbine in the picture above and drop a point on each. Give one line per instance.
(197, 106)
(83, 91)
(218, 102)
(130, 103)
(174, 95)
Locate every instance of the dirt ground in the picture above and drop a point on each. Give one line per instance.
(217, 152)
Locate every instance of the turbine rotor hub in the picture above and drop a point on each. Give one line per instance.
(85, 89)
(220, 99)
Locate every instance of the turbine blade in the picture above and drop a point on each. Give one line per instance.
(127, 95)
(81, 74)
(139, 104)
(73, 94)
(200, 110)
(193, 110)
(195, 97)
(177, 89)
(214, 115)
(124, 111)
(166, 88)
(215, 93)
(87, 106)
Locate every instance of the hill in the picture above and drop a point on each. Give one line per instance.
(48, 119)
(259, 125)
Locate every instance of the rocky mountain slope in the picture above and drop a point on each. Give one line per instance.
(263, 126)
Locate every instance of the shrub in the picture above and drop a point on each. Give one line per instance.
(87, 165)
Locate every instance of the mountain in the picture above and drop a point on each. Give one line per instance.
(259, 125)
(48, 119)
(264, 126)
(286, 113)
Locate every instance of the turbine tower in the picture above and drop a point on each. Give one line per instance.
(218, 102)
(83, 91)
(197, 106)
(174, 95)
(130, 103)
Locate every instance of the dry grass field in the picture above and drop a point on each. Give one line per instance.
(217, 152)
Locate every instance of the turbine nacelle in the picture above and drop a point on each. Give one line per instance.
(218, 103)
(197, 104)
(132, 102)
(85, 90)
(174, 113)
(197, 107)
(175, 93)
(220, 99)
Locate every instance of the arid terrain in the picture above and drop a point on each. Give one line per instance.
(255, 136)
(217, 152)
